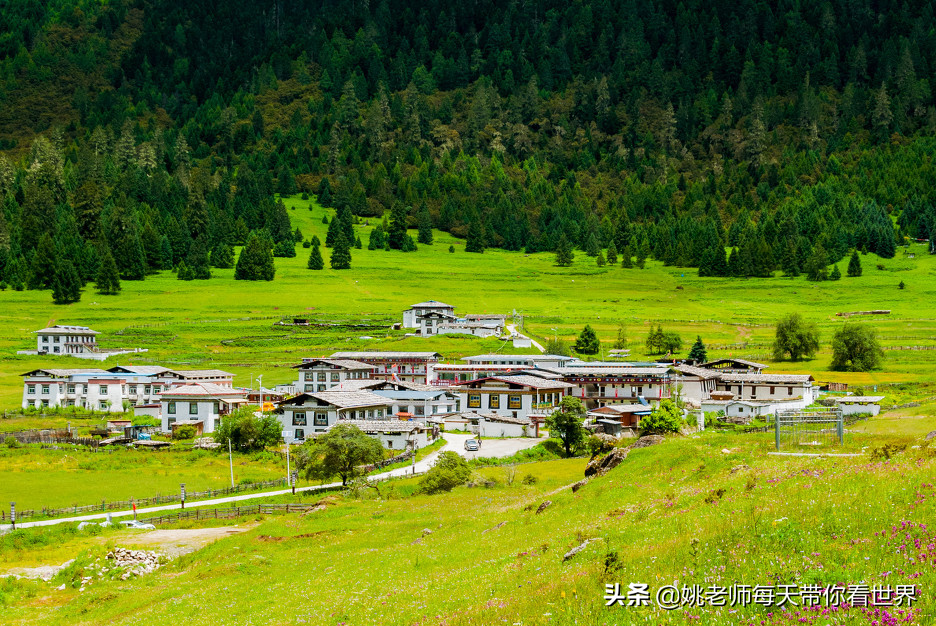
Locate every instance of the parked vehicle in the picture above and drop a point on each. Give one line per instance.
(471, 445)
(137, 525)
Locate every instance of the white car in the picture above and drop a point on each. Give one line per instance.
(137, 525)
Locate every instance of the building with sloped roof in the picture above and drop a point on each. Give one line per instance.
(204, 402)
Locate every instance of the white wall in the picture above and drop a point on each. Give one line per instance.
(500, 429)
(205, 412)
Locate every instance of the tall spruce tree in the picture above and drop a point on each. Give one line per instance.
(475, 241)
(564, 253)
(66, 287)
(255, 261)
(42, 270)
(425, 226)
(341, 254)
(612, 254)
(587, 342)
(108, 276)
(396, 235)
(315, 257)
(698, 354)
(854, 265)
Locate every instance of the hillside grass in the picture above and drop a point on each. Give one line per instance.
(230, 324)
(684, 511)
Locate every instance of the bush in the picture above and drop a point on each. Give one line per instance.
(449, 471)
(665, 418)
(11, 442)
(529, 479)
(186, 431)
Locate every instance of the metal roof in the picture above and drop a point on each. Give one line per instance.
(204, 390)
(67, 330)
(68, 372)
(766, 378)
(385, 355)
(345, 364)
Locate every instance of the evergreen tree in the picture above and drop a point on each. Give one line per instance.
(341, 254)
(587, 342)
(222, 257)
(475, 241)
(612, 254)
(425, 226)
(324, 194)
(285, 249)
(42, 270)
(332, 234)
(396, 235)
(627, 258)
(377, 239)
(325, 219)
(315, 257)
(66, 287)
(697, 354)
(165, 253)
(600, 259)
(836, 274)
(854, 264)
(816, 267)
(185, 273)
(108, 276)
(564, 253)
(655, 338)
(197, 260)
(255, 261)
(591, 245)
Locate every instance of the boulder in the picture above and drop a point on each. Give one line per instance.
(568, 555)
(738, 468)
(592, 468)
(600, 466)
(543, 506)
(647, 440)
(931, 435)
(579, 484)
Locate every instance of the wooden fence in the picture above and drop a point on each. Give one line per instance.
(122, 505)
(233, 512)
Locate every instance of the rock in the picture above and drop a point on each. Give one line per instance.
(426, 531)
(579, 485)
(501, 524)
(592, 468)
(647, 440)
(543, 506)
(61, 587)
(930, 435)
(613, 460)
(738, 468)
(725, 451)
(568, 555)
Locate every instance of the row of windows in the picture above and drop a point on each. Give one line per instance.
(494, 401)
(68, 338)
(753, 389)
(318, 419)
(31, 389)
(192, 409)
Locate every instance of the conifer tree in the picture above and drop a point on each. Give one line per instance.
(612, 254)
(222, 257)
(358, 244)
(66, 287)
(185, 272)
(108, 276)
(816, 269)
(42, 271)
(315, 257)
(165, 253)
(341, 254)
(600, 259)
(475, 241)
(425, 226)
(854, 265)
(324, 193)
(396, 235)
(377, 238)
(627, 258)
(197, 260)
(332, 234)
(587, 342)
(836, 274)
(591, 245)
(255, 261)
(564, 253)
(698, 354)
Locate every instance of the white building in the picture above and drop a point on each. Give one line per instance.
(397, 434)
(773, 387)
(512, 396)
(526, 361)
(320, 374)
(91, 389)
(311, 413)
(203, 402)
(852, 405)
(66, 340)
(476, 329)
(503, 426)
(418, 404)
(615, 383)
(411, 316)
(695, 384)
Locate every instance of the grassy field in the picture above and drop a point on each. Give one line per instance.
(712, 509)
(230, 324)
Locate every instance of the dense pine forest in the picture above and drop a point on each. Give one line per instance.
(742, 138)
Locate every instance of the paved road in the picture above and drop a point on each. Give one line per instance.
(454, 442)
(512, 329)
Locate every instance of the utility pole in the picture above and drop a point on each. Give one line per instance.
(231, 462)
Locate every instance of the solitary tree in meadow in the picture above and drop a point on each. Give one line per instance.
(854, 265)
(587, 342)
(855, 348)
(795, 338)
(315, 257)
(341, 254)
(697, 353)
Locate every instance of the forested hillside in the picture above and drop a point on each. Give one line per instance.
(156, 131)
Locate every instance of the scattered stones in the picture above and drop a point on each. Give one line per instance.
(579, 484)
(426, 531)
(647, 440)
(61, 587)
(135, 562)
(501, 524)
(725, 451)
(568, 555)
(205, 443)
(931, 435)
(543, 506)
(739, 468)
(602, 466)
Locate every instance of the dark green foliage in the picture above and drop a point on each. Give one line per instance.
(600, 259)
(475, 242)
(222, 257)
(358, 244)
(902, 285)
(315, 257)
(324, 195)
(697, 353)
(451, 248)
(661, 342)
(165, 253)
(855, 348)
(185, 272)
(108, 276)
(591, 245)
(627, 258)
(565, 423)
(377, 239)
(449, 471)
(587, 342)
(340, 452)
(197, 260)
(795, 338)
(564, 253)
(396, 236)
(425, 226)
(284, 249)
(42, 269)
(816, 269)
(66, 287)
(255, 261)
(612, 254)
(854, 264)
(341, 254)
(835, 274)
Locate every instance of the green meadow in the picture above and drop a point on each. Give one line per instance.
(231, 324)
(714, 509)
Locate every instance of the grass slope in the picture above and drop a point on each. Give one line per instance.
(229, 324)
(714, 509)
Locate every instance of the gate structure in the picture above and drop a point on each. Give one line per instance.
(824, 427)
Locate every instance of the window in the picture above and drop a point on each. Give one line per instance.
(309, 388)
(514, 402)
(46, 403)
(335, 378)
(30, 389)
(789, 391)
(379, 413)
(103, 389)
(71, 389)
(370, 414)
(299, 419)
(45, 390)
(170, 409)
(132, 389)
(104, 404)
(474, 400)
(420, 410)
(57, 349)
(193, 408)
(321, 388)
(299, 434)
(56, 340)
(494, 401)
(156, 388)
(146, 389)
(321, 419)
(45, 339)
(320, 377)
(215, 407)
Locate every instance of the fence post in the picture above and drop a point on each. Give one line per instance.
(840, 429)
(777, 431)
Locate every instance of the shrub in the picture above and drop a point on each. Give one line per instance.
(665, 418)
(529, 479)
(185, 431)
(11, 442)
(450, 471)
